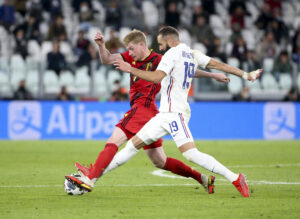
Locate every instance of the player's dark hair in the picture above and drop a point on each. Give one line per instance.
(168, 31)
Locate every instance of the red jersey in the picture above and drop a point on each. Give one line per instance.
(143, 92)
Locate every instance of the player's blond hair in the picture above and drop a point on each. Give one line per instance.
(135, 36)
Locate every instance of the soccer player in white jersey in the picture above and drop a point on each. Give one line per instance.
(175, 72)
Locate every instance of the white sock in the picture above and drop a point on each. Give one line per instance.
(122, 157)
(210, 163)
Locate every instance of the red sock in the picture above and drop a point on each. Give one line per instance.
(179, 168)
(103, 160)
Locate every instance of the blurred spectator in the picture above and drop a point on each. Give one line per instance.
(30, 29)
(172, 17)
(64, 95)
(296, 50)
(82, 43)
(86, 57)
(208, 6)
(53, 7)
(85, 12)
(251, 62)
(119, 93)
(292, 95)
(244, 95)
(113, 15)
(238, 17)
(56, 60)
(202, 31)
(267, 48)
(35, 8)
(282, 64)
(57, 30)
(198, 11)
(114, 44)
(21, 44)
(234, 4)
(239, 50)
(264, 18)
(22, 93)
(236, 32)
(279, 30)
(296, 41)
(274, 5)
(7, 14)
(76, 4)
(215, 50)
(20, 6)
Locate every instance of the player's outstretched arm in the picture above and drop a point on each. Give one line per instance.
(151, 76)
(252, 76)
(105, 56)
(217, 76)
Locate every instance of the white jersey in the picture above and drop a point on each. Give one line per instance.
(180, 64)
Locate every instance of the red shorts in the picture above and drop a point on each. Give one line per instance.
(135, 119)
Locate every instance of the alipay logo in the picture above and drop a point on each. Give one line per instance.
(279, 121)
(24, 120)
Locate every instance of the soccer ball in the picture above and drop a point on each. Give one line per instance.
(72, 188)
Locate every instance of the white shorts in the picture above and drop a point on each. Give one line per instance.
(163, 124)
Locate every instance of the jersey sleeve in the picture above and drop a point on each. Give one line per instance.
(168, 61)
(201, 59)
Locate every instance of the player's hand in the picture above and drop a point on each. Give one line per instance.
(221, 77)
(99, 39)
(252, 76)
(122, 66)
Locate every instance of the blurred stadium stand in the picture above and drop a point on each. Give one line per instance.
(265, 28)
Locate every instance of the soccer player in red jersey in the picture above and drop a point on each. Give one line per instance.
(143, 108)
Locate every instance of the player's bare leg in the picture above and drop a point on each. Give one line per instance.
(191, 153)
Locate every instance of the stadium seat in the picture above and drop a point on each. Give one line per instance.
(123, 32)
(126, 81)
(66, 78)
(66, 49)
(235, 86)
(185, 36)
(16, 77)
(200, 47)
(233, 62)
(112, 76)
(17, 63)
(51, 82)
(253, 85)
(32, 81)
(298, 81)
(268, 82)
(215, 21)
(151, 15)
(46, 48)
(34, 48)
(268, 65)
(285, 81)
(5, 88)
(33, 63)
(100, 85)
(4, 64)
(82, 81)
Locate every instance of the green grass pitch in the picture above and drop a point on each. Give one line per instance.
(32, 176)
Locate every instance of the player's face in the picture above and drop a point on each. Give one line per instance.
(135, 51)
(163, 44)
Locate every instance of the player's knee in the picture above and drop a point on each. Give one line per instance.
(159, 163)
(189, 154)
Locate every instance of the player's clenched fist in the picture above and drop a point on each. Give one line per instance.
(99, 39)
